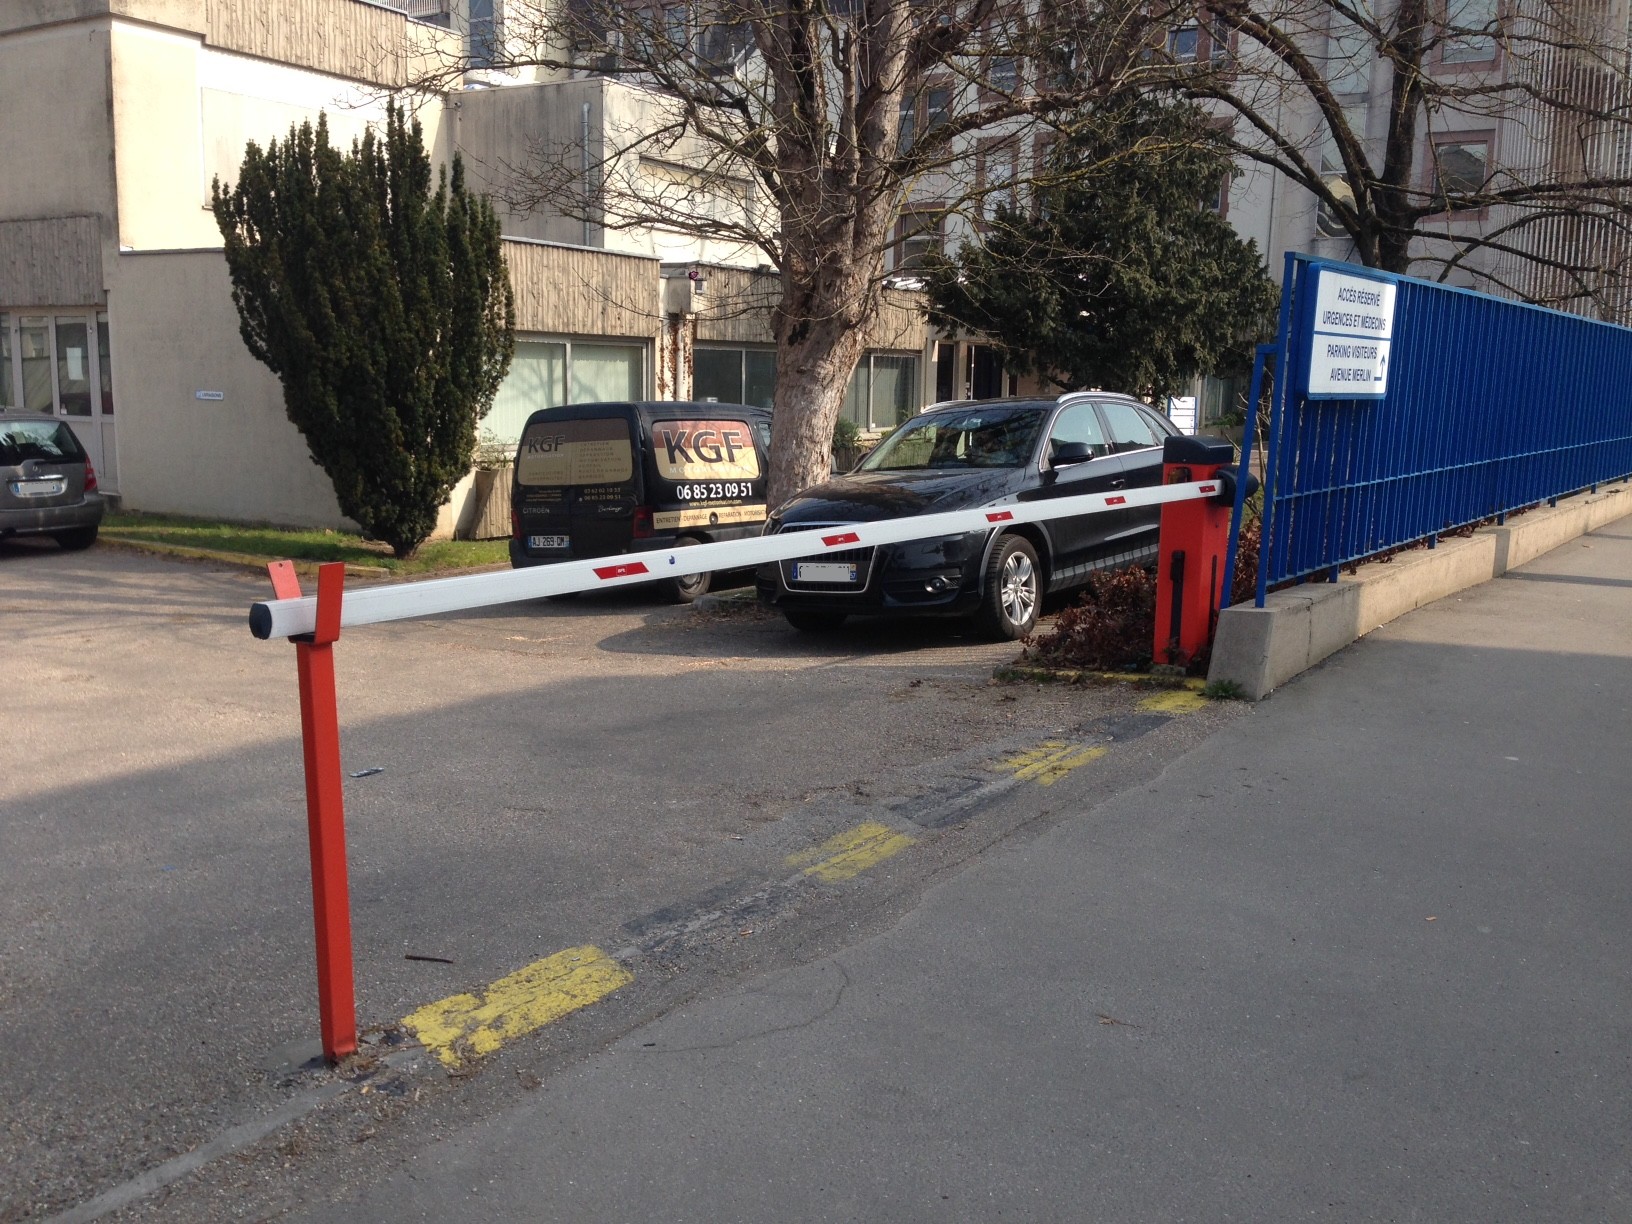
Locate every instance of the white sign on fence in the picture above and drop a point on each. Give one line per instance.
(1353, 336)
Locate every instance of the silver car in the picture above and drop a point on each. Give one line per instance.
(47, 484)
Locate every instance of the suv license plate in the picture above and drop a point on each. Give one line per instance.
(547, 542)
(823, 571)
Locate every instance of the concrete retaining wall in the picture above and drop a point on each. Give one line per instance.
(1260, 649)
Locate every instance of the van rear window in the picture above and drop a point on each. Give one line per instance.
(705, 450)
(592, 452)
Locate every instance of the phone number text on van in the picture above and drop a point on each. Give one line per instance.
(714, 491)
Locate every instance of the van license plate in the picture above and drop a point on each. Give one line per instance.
(547, 541)
(823, 571)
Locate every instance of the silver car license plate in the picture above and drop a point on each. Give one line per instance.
(547, 542)
(38, 488)
(824, 571)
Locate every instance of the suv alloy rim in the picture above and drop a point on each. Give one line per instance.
(1019, 588)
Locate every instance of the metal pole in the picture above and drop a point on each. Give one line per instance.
(325, 807)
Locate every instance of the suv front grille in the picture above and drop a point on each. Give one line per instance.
(861, 558)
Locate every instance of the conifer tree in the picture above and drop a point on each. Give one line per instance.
(382, 305)
(1116, 275)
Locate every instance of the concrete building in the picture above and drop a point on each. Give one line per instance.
(115, 308)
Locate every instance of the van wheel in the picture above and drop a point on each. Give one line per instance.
(684, 590)
(1013, 589)
(806, 621)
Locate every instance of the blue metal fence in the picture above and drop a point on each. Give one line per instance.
(1390, 426)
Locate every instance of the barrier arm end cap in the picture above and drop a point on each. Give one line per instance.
(260, 620)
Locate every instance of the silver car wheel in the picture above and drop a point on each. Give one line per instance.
(1019, 588)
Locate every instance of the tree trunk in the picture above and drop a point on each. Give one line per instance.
(819, 331)
(1394, 209)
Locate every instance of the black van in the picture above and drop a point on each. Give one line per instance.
(594, 480)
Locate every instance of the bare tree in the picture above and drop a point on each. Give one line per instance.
(796, 129)
(1490, 138)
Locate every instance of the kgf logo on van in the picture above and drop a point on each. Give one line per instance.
(705, 450)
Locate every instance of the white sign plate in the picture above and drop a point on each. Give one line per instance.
(1353, 336)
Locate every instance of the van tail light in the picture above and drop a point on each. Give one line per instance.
(515, 524)
(90, 477)
(643, 523)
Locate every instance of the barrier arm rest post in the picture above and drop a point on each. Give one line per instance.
(1195, 535)
(325, 805)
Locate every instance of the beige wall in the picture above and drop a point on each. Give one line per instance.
(56, 146)
(175, 332)
(183, 114)
(543, 125)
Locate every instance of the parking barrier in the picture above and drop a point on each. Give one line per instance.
(314, 623)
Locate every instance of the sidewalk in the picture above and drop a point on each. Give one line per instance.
(1365, 955)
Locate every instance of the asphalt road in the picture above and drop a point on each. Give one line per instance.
(606, 772)
(1360, 957)
(1365, 955)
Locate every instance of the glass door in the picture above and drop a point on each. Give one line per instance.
(59, 365)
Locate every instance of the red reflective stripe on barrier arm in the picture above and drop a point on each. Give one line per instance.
(1116, 501)
(621, 571)
(1206, 488)
(848, 537)
(1001, 516)
(326, 820)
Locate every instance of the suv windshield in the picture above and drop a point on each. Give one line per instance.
(988, 436)
(51, 441)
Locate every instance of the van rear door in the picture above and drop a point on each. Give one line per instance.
(577, 485)
(709, 478)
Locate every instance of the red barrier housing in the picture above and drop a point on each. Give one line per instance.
(1195, 536)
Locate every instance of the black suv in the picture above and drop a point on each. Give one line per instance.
(977, 453)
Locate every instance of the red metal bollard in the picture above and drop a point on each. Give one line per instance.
(1195, 536)
(325, 806)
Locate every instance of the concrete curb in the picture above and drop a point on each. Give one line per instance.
(1260, 649)
(306, 569)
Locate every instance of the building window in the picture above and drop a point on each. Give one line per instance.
(1349, 57)
(1327, 224)
(917, 237)
(1470, 32)
(548, 373)
(883, 391)
(34, 353)
(482, 35)
(1184, 44)
(1460, 167)
(924, 111)
(734, 375)
(1218, 200)
(1203, 41)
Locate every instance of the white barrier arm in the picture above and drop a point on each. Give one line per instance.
(282, 618)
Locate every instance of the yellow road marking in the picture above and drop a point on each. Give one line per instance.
(1179, 701)
(528, 999)
(852, 852)
(1047, 763)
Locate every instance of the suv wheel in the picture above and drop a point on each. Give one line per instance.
(1013, 589)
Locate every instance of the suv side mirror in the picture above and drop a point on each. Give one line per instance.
(1064, 454)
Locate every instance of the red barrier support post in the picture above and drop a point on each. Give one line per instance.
(1195, 536)
(325, 805)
